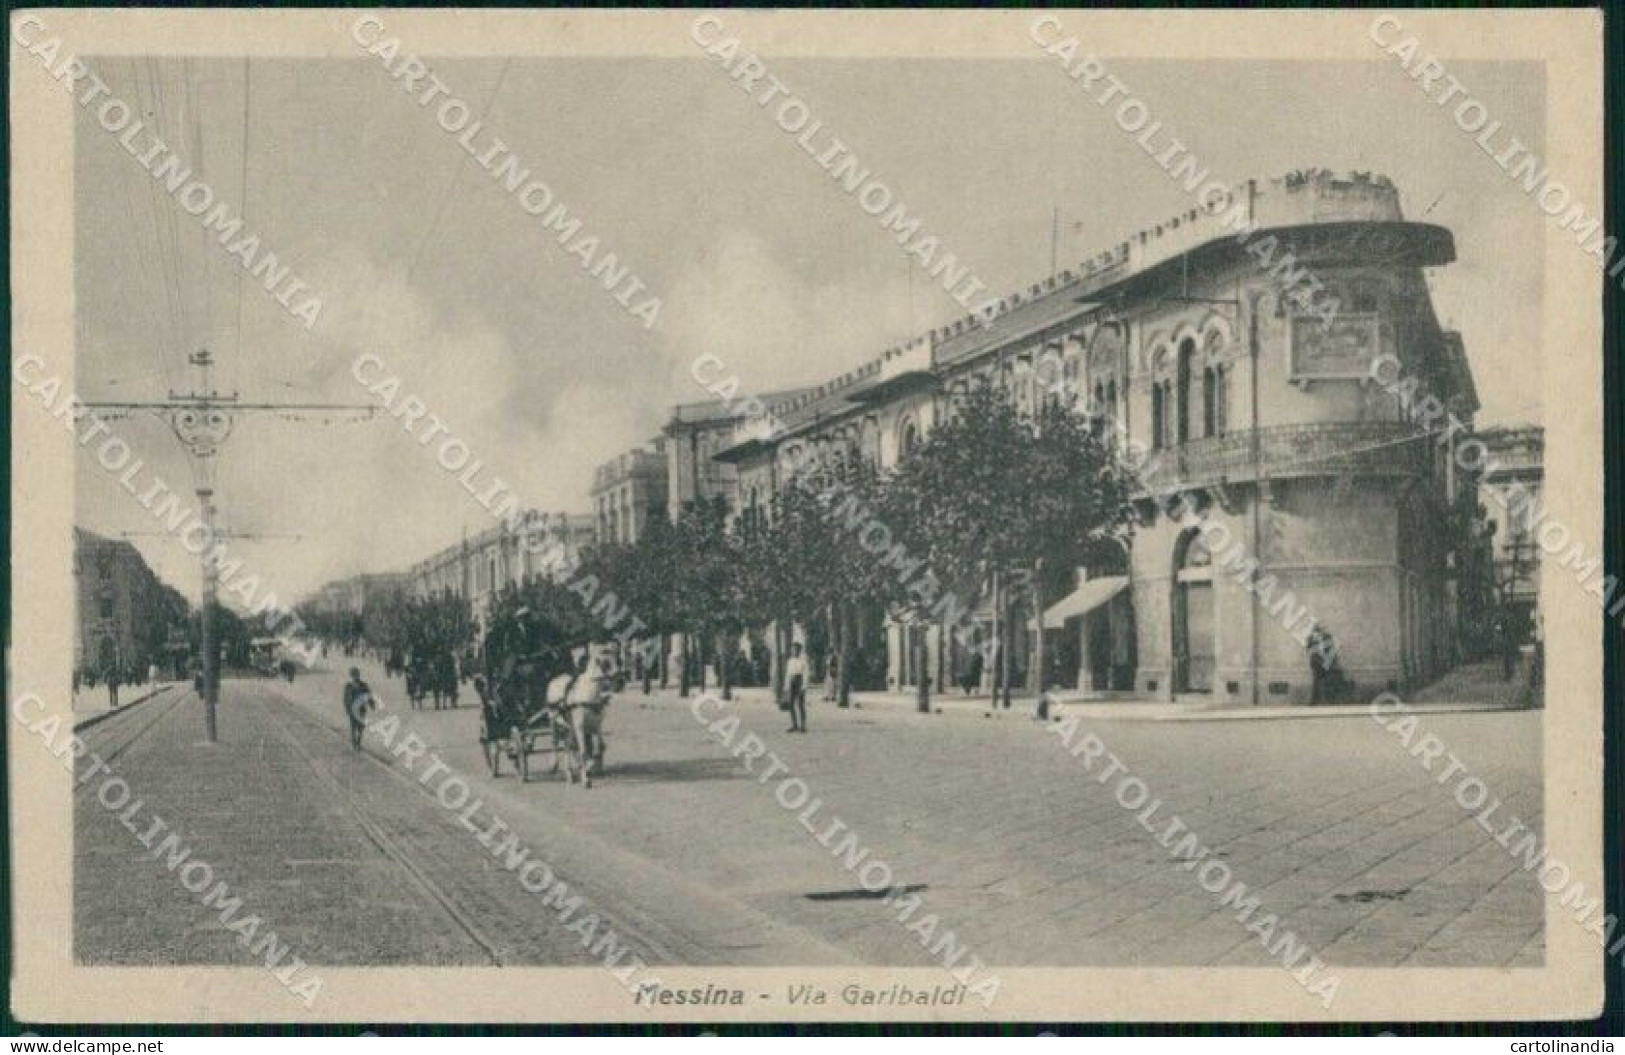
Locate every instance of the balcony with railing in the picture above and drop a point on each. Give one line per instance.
(1366, 448)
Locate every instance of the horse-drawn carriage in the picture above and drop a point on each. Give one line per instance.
(515, 719)
(533, 705)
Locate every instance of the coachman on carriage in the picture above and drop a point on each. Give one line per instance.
(515, 720)
(541, 693)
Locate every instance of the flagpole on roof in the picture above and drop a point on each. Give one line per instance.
(1054, 237)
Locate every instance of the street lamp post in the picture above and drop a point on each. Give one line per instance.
(202, 420)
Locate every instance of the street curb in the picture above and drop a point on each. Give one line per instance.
(1124, 711)
(1292, 714)
(1023, 709)
(124, 708)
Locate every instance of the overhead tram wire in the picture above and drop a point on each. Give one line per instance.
(201, 419)
(194, 120)
(167, 335)
(242, 210)
(129, 228)
(152, 318)
(164, 118)
(155, 210)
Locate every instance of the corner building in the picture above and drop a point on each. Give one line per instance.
(1210, 356)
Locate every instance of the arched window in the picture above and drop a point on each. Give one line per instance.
(1216, 385)
(1187, 357)
(1158, 412)
(869, 444)
(1209, 392)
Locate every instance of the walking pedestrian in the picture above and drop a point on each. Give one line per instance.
(112, 687)
(795, 673)
(357, 702)
(973, 674)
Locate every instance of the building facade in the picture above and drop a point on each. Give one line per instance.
(1513, 473)
(695, 434)
(350, 597)
(1260, 416)
(127, 618)
(480, 566)
(628, 490)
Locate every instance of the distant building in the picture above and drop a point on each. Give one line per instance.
(696, 433)
(351, 596)
(628, 490)
(1511, 484)
(478, 567)
(128, 619)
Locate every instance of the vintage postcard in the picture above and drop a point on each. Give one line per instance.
(725, 516)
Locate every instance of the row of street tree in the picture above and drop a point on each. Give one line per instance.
(993, 509)
(991, 498)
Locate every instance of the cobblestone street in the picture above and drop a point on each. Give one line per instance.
(1004, 835)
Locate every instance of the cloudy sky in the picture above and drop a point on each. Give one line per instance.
(756, 255)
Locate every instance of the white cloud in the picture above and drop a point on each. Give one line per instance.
(775, 327)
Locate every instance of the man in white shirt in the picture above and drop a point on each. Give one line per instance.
(795, 675)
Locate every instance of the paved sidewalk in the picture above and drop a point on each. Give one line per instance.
(90, 702)
(1025, 708)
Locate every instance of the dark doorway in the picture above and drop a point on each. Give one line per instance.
(1194, 625)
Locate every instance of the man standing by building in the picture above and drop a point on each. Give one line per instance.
(795, 676)
(112, 685)
(1506, 639)
(357, 702)
(1325, 673)
(1537, 662)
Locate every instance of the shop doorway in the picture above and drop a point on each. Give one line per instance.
(1194, 627)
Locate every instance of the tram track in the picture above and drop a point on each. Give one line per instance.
(391, 848)
(112, 728)
(523, 920)
(689, 924)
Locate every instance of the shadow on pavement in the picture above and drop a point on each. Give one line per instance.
(687, 769)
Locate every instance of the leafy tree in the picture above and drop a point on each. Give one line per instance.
(703, 583)
(846, 580)
(637, 575)
(540, 617)
(995, 494)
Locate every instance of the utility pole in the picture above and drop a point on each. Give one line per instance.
(211, 592)
(202, 420)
